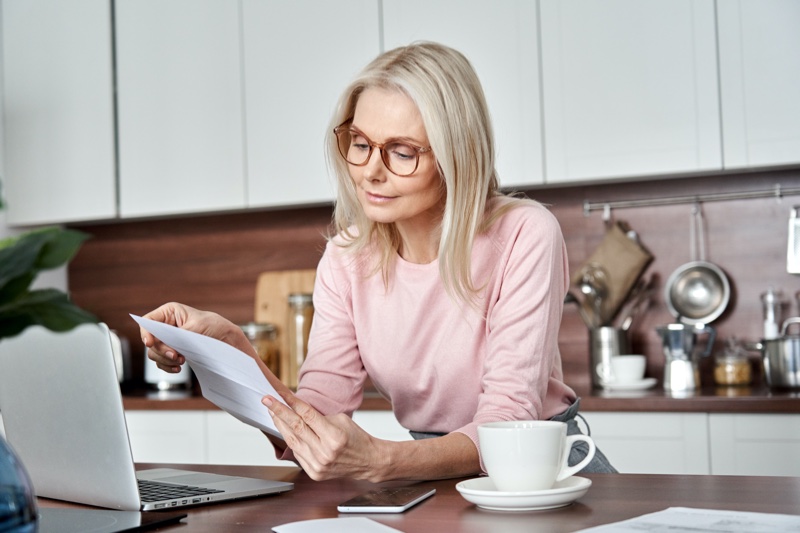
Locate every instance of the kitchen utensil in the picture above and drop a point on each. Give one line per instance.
(623, 260)
(681, 370)
(793, 248)
(594, 287)
(781, 358)
(699, 291)
(637, 302)
(605, 343)
(772, 302)
(570, 298)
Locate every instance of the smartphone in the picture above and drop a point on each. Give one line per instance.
(386, 500)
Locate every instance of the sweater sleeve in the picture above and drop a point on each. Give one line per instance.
(522, 376)
(332, 377)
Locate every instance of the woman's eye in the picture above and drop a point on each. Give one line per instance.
(359, 142)
(401, 151)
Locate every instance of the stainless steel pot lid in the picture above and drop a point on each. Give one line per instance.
(697, 292)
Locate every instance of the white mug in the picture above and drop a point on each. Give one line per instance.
(623, 369)
(529, 455)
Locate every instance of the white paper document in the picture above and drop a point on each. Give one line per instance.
(228, 377)
(355, 524)
(688, 520)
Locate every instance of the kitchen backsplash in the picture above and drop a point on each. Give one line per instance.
(213, 262)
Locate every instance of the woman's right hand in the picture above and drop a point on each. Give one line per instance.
(191, 319)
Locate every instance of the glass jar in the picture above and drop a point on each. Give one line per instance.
(301, 313)
(264, 338)
(733, 367)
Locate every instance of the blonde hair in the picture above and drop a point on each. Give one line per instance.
(447, 92)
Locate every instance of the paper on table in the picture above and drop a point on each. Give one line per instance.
(228, 377)
(354, 524)
(689, 520)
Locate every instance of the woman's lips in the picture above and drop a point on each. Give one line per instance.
(377, 198)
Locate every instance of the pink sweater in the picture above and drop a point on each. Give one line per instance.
(442, 365)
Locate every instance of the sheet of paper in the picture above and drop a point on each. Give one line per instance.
(228, 377)
(688, 520)
(354, 524)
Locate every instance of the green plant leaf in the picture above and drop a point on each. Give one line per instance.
(10, 326)
(60, 246)
(16, 286)
(19, 258)
(50, 308)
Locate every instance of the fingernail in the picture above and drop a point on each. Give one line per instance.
(144, 341)
(267, 401)
(171, 355)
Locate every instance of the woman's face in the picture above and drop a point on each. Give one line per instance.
(413, 201)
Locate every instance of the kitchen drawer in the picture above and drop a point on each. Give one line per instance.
(652, 443)
(755, 444)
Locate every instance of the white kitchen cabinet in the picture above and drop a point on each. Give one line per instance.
(168, 436)
(759, 64)
(652, 443)
(629, 88)
(298, 58)
(58, 111)
(755, 444)
(180, 115)
(215, 437)
(232, 442)
(500, 40)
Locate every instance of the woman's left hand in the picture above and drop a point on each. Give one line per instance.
(327, 447)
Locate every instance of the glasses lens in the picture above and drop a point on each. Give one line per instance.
(353, 147)
(401, 158)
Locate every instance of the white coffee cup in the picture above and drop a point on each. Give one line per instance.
(623, 369)
(529, 455)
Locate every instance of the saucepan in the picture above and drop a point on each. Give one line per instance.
(781, 358)
(697, 292)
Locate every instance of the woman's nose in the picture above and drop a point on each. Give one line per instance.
(375, 169)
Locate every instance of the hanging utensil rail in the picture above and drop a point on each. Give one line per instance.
(776, 192)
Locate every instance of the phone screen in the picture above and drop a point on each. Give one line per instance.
(386, 500)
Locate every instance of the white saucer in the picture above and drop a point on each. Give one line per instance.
(643, 384)
(482, 492)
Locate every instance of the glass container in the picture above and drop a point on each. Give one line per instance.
(732, 366)
(301, 313)
(264, 338)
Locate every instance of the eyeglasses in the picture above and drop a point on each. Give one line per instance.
(400, 157)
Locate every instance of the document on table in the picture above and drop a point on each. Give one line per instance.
(228, 377)
(689, 520)
(354, 524)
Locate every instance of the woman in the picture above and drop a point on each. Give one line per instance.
(445, 292)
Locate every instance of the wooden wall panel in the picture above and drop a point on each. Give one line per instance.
(213, 262)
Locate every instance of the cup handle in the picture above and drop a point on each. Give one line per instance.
(566, 470)
(604, 371)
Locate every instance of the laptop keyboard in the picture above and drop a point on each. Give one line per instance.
(153, 491)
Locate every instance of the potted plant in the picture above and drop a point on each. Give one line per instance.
(22, 257)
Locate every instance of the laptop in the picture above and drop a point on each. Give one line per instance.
(62, 409)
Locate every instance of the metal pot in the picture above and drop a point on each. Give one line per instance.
(698, 292)
(782, 358)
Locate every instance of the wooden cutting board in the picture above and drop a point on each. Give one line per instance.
(272, 303)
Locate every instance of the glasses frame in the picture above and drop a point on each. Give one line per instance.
(347, 126)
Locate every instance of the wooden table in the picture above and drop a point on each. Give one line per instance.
(611, 498)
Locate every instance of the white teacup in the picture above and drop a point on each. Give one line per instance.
(623, 369)
(529, 455)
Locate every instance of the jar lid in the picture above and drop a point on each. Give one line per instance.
(300, 298)
(252, 329)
